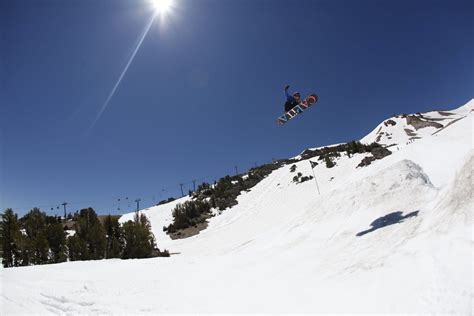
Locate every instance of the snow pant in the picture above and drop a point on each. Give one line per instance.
(289, 105)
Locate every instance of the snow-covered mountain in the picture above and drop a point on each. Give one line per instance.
(394, 236)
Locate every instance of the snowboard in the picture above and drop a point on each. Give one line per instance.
(309, 101)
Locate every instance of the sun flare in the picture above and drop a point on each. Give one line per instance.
(162, 6)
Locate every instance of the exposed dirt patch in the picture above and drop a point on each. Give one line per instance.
(445, 113)
(437, 119)
(418, 123)
(409, 132)
(190, 231)
(379, 137)
(377, 153)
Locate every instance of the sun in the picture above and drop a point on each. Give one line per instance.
(162, 6)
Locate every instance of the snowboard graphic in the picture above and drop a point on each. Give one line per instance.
(309, 101)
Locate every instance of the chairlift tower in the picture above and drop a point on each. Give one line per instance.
(64, 204)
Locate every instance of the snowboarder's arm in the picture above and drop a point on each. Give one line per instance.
(288, 96)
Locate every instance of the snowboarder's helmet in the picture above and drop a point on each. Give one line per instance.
(296, 94)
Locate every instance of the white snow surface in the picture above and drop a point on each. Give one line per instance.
(393, 237)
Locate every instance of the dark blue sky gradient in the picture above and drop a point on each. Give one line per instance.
(205, 88)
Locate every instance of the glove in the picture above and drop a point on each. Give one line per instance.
(287, 87)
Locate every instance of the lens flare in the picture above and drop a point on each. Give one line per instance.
(124, 71)
(161, 8)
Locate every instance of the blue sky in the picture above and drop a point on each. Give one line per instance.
(203, 91)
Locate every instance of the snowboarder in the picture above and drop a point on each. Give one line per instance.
(294, 105)
(291, 100)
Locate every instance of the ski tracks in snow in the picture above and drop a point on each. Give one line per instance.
(64, 305)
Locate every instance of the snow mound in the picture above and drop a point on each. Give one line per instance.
(457, 202)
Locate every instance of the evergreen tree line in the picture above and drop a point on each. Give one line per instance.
(328, 154)
(40, 239)
(188, 214)
(351, 148)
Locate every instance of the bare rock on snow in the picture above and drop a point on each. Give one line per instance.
(418, 123)
(377, 153)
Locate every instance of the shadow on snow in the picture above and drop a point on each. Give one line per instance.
(389, 219)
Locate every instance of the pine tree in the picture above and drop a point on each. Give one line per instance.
(25, 250)
(91, 233)
(114, 235)
(139, 240)
(40, 249)
(57, 242)
(77, 248)
(34, 222)
(329, 162)
(35, 228)
(9, 237)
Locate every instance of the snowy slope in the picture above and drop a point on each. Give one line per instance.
(395, 236)
(403, 129)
